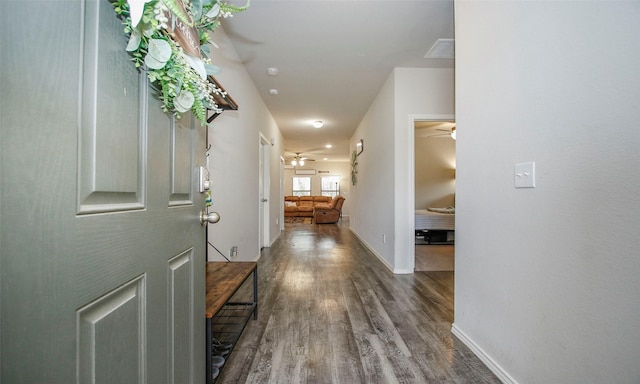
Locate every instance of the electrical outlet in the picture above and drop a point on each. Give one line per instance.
(233, 252)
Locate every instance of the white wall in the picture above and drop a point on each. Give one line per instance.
(547, 278)
(371, 206)
(385, 170)
(435, 172)
(419, 92)
(234, 160)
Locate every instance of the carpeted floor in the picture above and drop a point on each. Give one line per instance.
(297, 220)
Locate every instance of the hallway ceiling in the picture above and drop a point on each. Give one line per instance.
(333, 57)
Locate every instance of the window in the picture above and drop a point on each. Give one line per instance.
(330, 186)
(301, 186)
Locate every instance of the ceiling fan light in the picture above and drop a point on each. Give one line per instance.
(301, 162)
(294, 163)
(453, 133)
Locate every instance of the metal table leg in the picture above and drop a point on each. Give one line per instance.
(255, 293)
(209, 349)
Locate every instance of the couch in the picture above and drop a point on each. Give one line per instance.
(302, 206)
(322, 209)
(328, 213)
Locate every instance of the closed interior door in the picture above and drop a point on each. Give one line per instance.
(264, 187)
(102, 262)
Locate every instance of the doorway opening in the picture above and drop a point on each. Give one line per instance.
(434, 159)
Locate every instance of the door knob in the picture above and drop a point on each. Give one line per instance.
(265, 200)
(212, 217)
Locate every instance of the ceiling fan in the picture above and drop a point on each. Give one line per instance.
(299, 160)
(449, 132)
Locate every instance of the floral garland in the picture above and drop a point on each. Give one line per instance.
(171, 37)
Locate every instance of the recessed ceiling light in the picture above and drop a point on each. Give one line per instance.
(325, 158)
(273, 71)
(318, 124)
(273, 91)
(328, 146)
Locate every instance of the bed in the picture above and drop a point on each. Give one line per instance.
(433, 226)
(430, 220)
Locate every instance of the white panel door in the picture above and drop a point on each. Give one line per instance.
(264, 187)
(102, 252)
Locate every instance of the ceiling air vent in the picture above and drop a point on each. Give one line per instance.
(442, 49)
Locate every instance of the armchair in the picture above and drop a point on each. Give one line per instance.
(328, 213)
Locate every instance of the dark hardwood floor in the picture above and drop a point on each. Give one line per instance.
(331, 312)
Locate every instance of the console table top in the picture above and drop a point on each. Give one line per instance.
(223, 280)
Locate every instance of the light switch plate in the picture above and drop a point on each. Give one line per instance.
(525, 175)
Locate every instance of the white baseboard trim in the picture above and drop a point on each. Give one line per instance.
(483, 356)
(386, 264)
(275, 238)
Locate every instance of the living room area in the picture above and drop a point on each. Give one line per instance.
(316, 184)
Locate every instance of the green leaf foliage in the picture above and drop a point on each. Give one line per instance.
(152, 47)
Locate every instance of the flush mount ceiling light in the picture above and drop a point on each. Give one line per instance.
(317, 124)
(273, 71)
(273, 91)
(328, 146)
(442, 49)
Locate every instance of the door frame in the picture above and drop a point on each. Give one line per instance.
(408, 230)
(264, 186)
(281, 212)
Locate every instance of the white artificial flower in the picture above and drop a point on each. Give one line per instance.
(136, 9)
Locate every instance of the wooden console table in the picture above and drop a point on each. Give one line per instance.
(229, 318)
